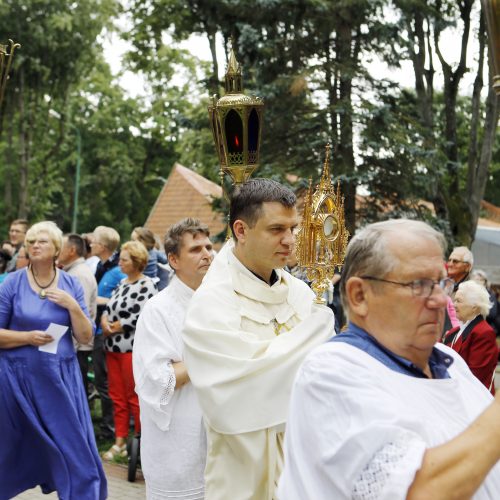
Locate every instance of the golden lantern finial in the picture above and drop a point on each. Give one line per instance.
(5, 63)
(323, 236)
(233, 78)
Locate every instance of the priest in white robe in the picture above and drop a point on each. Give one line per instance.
(173, 439)
(248, 327)
(383, 411)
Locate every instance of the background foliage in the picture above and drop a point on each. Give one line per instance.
(427, 151)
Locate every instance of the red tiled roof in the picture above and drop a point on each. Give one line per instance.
(185, 194)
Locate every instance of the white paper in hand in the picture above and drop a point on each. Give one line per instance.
(56, 331)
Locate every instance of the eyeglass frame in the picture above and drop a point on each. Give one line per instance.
(443, 284)
(41, 242)
(456, 261)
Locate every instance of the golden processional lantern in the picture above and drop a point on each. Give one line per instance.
(322, 237)
(5, 63)
(236, 122)
(491, 9)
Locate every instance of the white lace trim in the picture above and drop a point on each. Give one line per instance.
(168, 389)
(388, 460)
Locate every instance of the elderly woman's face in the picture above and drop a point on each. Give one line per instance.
(41, 248)
(465, 310)
(126, 263)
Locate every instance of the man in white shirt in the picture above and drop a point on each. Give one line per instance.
(72, 260)
(383, 410)
(173, 441)
(248, 327)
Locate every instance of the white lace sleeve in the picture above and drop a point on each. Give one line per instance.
(169, 386)
(391, 470)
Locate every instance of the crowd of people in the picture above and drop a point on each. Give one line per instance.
(240, 385)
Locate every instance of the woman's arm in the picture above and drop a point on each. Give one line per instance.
(80, 323)
(9, 339)
(144, 289)
(106, 325)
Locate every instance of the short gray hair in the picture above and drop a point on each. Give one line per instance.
(108, 237)
(476, 295)
(468, 257)
(480, 275)
(368, 253)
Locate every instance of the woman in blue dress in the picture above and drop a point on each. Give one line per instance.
(47, 434)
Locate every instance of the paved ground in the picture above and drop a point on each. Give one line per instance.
(118, 486)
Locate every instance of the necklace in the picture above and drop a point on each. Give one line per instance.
(42, 294)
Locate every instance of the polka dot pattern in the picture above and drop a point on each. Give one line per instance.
(125, 305)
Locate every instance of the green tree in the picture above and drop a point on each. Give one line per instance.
(423, 24)
(58, 47)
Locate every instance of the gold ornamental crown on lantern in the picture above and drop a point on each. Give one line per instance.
(322, 237)
(236, 122)
(5, 63)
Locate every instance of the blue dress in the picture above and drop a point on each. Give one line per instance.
(47, 437)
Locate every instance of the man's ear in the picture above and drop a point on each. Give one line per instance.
(173, 261)
(356, 291)
(240, 229)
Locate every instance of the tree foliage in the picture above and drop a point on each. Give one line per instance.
(421, 152)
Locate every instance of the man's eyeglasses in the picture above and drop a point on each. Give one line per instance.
(420, 288)
(456, 261)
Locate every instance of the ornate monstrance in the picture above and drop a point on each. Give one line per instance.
(322, 237)
(5, 63)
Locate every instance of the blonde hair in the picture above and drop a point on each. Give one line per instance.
(108, 237)
(476, 295)
(138, 254)
(49, 227)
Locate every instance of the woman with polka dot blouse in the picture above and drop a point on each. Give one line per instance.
(118, 326)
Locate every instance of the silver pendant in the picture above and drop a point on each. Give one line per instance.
(42, 294)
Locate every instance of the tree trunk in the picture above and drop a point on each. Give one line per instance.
(489, 132)
(422, 87)
(347, 59)
(475, 108)
(213, 82)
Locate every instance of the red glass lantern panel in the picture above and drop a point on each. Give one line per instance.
(234, 132)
